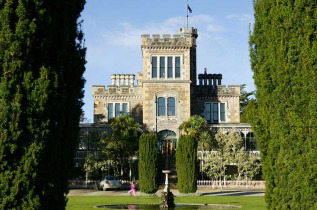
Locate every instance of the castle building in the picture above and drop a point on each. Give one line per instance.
(167, 92)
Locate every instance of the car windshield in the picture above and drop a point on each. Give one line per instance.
(111, 178)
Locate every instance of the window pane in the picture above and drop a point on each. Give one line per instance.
(124, 109)
(222, 112)
(117, 112)
(171, 106)
(170, 67)
(162, 67)
(161, 106)
(215, 112)
(154, 67)
(208, 112)
(110, 111)
(177, 67)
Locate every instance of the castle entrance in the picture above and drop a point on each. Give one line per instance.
(167, 143)
(167, 147)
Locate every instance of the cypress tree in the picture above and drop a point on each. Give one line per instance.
(283, 49)
(186, 164)
(41, 67)
(148, 163)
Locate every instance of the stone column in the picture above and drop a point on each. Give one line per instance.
(126, 78)
(121, 79)
(219, 79)
(113, 79)
(117, 79)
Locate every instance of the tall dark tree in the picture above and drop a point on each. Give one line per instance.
(284, 60)
(148, 163)
(187, 164)
(41, 66)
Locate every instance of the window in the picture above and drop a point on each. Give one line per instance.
(171, 106)
(215, 112)
(251, 144)
(162, 67)
(166, 67)
(154, 67)
(208, 112)
(117, 112)
(124, 109)
(161, 106)
(110, 111)
(177, 67)
(222, 112)
(170, 67)
(117, 109)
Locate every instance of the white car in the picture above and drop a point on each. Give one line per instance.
(110, 182)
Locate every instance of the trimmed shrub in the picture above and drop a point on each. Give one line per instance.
(148, 163)
(186, 164)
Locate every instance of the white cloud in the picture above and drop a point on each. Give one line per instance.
(243, 18)
(128, 34)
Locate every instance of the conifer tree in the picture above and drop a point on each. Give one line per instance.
(283, 49)
(186, 164)
(41, 66)
(148, 163)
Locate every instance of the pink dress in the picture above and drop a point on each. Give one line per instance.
(132, 190)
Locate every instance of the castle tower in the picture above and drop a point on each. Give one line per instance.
(169, 71)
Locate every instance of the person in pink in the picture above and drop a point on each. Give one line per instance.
(133, 190)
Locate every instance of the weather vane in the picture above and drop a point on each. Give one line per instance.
(188, 10)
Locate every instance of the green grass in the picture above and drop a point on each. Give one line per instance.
(88, 202)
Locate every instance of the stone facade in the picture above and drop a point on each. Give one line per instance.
(170, 75)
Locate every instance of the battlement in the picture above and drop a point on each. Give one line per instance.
(216, 90)
(122, 79)
(120, 84)
(183, 38)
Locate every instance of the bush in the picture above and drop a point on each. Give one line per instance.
(148, 163)
(186, 164)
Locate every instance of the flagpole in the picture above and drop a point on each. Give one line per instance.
(187, 15)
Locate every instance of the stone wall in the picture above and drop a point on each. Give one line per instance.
(179, 45)
(122, 90)
(221, 94)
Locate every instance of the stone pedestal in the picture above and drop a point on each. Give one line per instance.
(167, 197)
(167, 200)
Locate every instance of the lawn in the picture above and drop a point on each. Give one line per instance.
(88, 202)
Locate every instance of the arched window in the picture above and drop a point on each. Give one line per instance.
(171, 106)
(161, 106)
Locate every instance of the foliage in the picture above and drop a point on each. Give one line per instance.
(230, 151)
(283, 50)
(195, 125)
(206, 139)
(148, 163)
(245, 99)
(118, 145)
(41, 67)
(186, 164)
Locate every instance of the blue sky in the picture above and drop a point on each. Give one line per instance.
(113, 32)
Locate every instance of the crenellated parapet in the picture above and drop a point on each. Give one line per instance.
(184, 39)
(120, 84)
(122, 80)
(212, 91)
